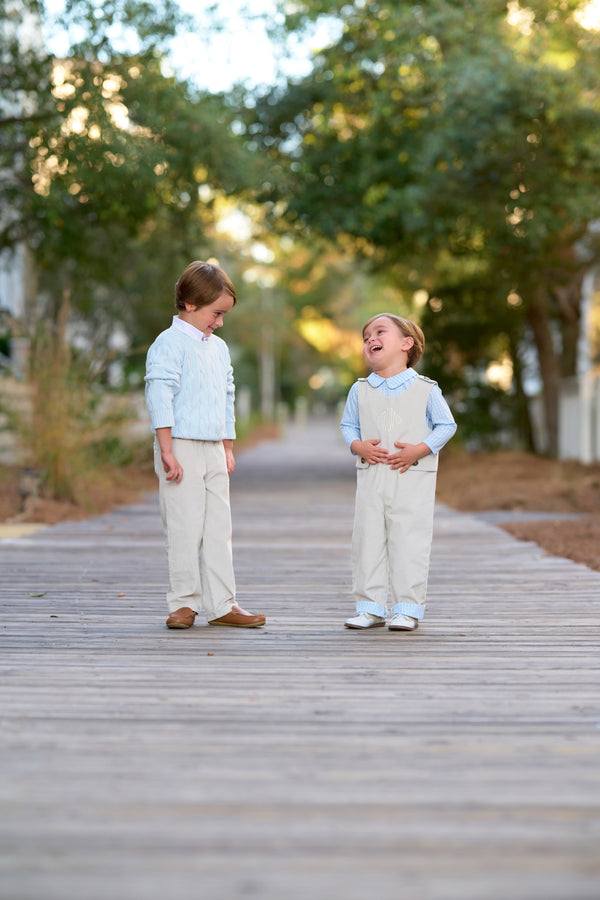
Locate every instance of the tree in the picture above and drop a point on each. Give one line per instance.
(106, 188)
(24, 69)
(454, 138)
(114, 160)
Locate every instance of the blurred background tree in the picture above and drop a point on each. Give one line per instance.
(113, 167)
(107, 188)
(438, 160)
(457, 144)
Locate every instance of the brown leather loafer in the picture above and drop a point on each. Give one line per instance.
(181, 618)
(239, 618)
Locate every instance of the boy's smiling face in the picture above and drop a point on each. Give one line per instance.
(385, 347)
(207, 318)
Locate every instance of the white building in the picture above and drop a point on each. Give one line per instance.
(579, 400)
(20, 21)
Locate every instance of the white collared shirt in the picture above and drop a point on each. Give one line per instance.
(189, 329)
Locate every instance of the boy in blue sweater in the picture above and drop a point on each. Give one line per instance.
(190, 400)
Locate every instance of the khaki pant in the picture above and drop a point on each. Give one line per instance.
(391, 543)
(197, 522)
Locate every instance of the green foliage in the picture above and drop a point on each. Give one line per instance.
(26, 103)
(141, 25)
(106, 179)
(486, 417)
(118, 170)
(451, 131)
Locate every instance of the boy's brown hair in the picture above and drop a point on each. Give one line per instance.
(201, 283)
(408, 329)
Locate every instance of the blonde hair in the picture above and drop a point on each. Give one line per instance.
(408, 329)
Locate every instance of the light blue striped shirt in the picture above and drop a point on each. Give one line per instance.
(439, 418)
(189, 384)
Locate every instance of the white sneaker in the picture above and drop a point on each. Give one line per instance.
(364, 620)
(403, 623)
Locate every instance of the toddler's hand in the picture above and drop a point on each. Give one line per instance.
(406, 457)
(370, 451)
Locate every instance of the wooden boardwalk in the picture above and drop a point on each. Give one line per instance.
(301, 761)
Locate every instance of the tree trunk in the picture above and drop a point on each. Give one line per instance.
(523, 417)
(267, 359)
(538, 319)
(568, 301)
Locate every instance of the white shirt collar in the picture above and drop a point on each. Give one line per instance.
(189, 329)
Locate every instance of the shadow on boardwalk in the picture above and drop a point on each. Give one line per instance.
(300, 760)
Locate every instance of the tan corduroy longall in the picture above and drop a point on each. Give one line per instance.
(393, 521)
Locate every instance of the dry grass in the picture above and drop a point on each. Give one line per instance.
(110, 488)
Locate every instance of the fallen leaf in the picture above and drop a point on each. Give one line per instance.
(37, 595)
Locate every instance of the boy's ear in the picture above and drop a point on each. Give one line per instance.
(411, 342)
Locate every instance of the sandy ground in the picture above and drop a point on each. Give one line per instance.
(513, 485)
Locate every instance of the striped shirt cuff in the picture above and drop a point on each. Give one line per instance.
(367, 606)
(409, 609)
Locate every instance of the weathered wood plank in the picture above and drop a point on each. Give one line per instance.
(303, 759)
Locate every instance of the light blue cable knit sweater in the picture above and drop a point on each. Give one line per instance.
(189, 384)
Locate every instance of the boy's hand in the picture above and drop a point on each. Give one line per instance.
(173, 469)
(407, 455)
(369, 451)
(171, 466)
(229, 458)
